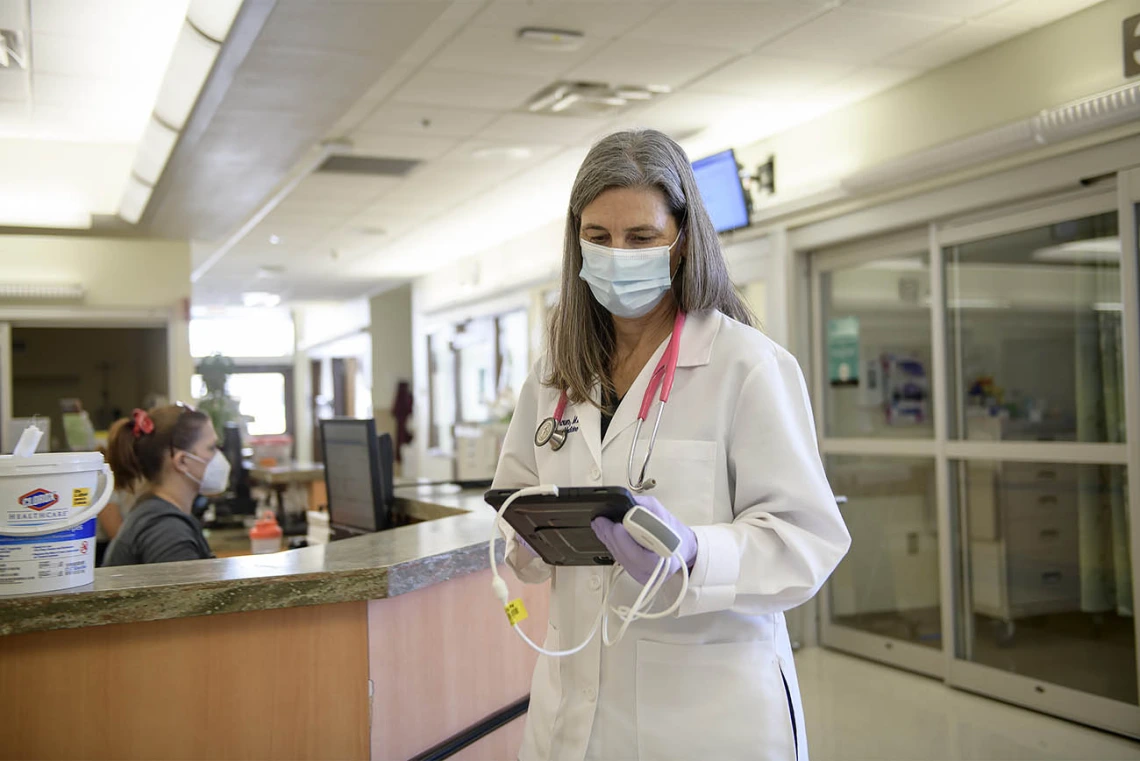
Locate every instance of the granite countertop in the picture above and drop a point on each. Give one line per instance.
(451, 541)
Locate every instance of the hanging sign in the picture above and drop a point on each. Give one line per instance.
(843, 351)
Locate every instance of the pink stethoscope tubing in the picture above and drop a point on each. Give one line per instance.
(663, 376)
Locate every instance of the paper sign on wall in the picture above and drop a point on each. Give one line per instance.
(843, 351)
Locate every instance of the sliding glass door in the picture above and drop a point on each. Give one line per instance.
(873, 371)
(1038, 460)
(977, 388)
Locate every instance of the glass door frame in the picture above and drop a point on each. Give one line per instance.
(966, 674)
(907, 655)
(1121, 195)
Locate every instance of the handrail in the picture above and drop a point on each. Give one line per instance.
(475, 732)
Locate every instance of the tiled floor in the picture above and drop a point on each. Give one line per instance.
(861, 711)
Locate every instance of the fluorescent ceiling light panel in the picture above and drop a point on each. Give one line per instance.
(189, 67)
(1108, 306)
(214, 17)
(70, 291)
(46, 213)
(153, 151)
(260, 299)
(134, 202)
(1096, 250)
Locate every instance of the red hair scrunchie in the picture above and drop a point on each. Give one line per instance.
(141, 423)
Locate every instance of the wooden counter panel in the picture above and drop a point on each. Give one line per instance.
(275, 684)
(449, 659)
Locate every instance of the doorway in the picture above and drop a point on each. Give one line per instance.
(109, 370)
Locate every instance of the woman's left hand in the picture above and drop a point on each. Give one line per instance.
(635, 559)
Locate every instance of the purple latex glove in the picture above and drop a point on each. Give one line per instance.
(638, 561)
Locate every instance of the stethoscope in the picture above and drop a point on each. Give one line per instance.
(550, 430)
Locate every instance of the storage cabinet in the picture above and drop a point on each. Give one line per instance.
(1024, 555)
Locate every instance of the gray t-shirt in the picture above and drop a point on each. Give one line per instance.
(157, 532)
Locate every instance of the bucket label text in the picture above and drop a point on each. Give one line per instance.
(81, 498)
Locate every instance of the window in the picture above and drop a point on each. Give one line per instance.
(256, 334)
(261, 399)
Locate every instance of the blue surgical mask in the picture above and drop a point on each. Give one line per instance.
(628, 282)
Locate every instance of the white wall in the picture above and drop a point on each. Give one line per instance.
(131, 275)
(1072, 58)
(391, 316)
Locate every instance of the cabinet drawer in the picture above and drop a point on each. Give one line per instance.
(1056, 543)
(1041, 474)
(1056, 505)
(1033, 582)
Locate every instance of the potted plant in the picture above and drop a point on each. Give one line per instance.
(222, 408)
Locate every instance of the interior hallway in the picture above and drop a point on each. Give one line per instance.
(861, 711)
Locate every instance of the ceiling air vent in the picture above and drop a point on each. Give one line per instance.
(590, 98)
(375, 166)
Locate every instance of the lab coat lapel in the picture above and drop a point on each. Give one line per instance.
(697, 339)
(590, 426)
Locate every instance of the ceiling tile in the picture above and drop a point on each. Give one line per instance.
(458, 89)
(95, 125)
(644, 62)
(845, 35)
(480, 155)
(124, 18)
(497, 50)
(604, 20)
(955, 9)
(377, 30)
(1031, 13)
(443, 29)
(539, 127)
(81, 57)
(359, 190)
(80, 93)
(425, 121)
(685, 113)
(868, 81)
(315, 211)
(769, 77)
(739, 26)
(424, 148)
(955, 44)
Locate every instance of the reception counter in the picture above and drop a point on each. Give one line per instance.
(386, 646)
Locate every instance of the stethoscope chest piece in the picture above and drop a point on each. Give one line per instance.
(548, 433)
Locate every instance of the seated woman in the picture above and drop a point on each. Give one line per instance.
(172, 454)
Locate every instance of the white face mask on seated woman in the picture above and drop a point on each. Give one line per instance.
(628, 282)
(216, 476)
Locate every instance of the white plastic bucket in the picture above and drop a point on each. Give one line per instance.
(48, 507)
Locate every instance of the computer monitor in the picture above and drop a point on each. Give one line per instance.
(241, 501)
(354, 476)
(718, 179)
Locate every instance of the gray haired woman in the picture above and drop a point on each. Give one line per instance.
(735, 473)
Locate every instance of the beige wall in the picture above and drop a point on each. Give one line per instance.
(1075, 57)
(135, 275)
(391, 351)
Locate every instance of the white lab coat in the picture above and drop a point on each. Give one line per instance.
(736, 459)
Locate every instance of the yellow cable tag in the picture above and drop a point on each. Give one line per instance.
(516, 611)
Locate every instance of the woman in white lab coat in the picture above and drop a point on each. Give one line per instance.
(737, 472)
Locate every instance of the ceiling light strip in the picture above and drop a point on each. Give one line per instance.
(189, 69)
(1055, 125)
